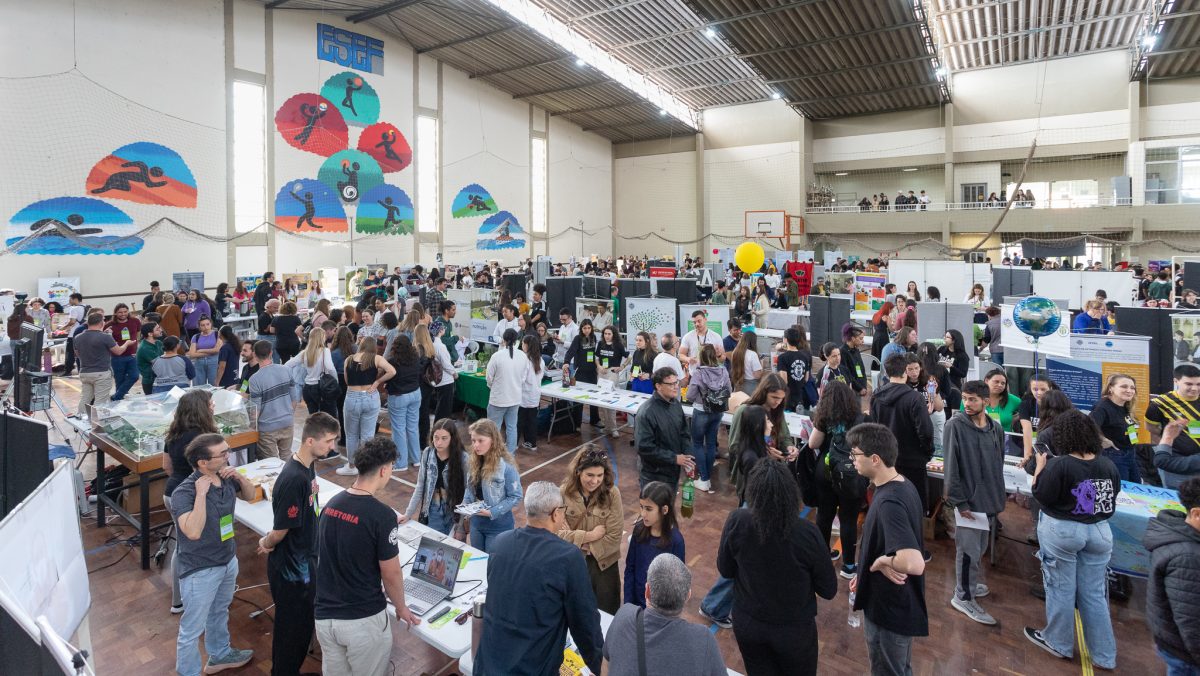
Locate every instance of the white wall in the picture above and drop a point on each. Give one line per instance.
(581, 188)
(176, 97)
(762, 177)
(979, 172)
(654, 194)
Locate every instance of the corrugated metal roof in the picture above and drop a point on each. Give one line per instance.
(1175, 50)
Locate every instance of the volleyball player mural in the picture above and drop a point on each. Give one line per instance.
(349, 181)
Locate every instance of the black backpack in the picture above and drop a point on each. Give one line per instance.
(715, 401)
(839, 465)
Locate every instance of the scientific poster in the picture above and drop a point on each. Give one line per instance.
(869, 293)
(1093, 360)
(654, 315)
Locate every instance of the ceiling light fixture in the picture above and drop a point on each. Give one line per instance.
(662, 112)
(1148, 41)
(572, 41)
(942, 72)
(775, 95)
(710, 33)
(580, 62)
(910, 169)
(842, 173)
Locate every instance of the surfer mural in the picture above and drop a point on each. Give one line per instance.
(72, 225)
(500, 231)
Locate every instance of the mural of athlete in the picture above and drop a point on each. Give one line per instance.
(353, 84)
(476, 202)
(122, 180)
(310, 209)
(392, 210)
(61, 228)
(388, 138)
(351, 182)
(311, 115)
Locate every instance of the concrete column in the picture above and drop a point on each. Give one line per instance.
(703, 227)
(950, 189)
(806, 173)
(1135, 111)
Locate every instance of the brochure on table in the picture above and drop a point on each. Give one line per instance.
(1082, 375)
(718, 317)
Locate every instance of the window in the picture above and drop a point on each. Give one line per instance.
(537, 178)
(249, 156)
(1173, 175)
(427, 174)
(1056, 194)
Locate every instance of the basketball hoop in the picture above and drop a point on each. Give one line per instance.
(775, 224)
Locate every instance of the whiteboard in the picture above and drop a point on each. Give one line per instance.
(1077, 286)
(42, 568)
(953, 278)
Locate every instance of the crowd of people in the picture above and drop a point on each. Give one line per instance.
(333, 566)
(902, 202)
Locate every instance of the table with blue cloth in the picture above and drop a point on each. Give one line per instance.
(1136, 505)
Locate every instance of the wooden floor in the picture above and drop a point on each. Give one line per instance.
(134, 633)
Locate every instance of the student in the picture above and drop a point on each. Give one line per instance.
(1177, 457)
(745, 367)
(441, 480)
(1092, 320)
(612, 357)
(890, 586)
(149, 349)
(531, 395)
(506, 375)
(795, 366)
(974, 451)
(172, 369)
(364, 371)
(840, 490)
(291, 545)
(359, 568)
(193, 417)
(594, 522)
(581, 355)
(288, 328)
(859, 378)
(228, 359)
(953, 356)
(642, 365)
(170, 316)
(655, 532)
(1002, 405)
(205, 346)
(404, 401)
(1078, 493)
(833, 369)
(493, 479)
(124, 328)
(1173, 592)
(709, 389)
(1113, 414)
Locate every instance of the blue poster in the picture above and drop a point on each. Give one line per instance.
(1082, 381)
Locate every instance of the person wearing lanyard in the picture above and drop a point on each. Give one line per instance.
(1177, 456)
(582, 358)
(1113, 413)
(124, 328)
(853, 336)
(613, 357)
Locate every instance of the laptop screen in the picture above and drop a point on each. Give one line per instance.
(437, 563)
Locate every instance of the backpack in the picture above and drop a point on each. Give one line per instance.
(839, 466)
(432, 373)
(715, 401)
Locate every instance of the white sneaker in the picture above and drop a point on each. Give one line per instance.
(615, 434)
(981, 590)
(702, 485)
(346, 470)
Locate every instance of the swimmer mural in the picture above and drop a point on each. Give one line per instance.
(144, 172)
(387, 145)
(500, 231)
(72, 225)
(473, 200)
(350, 173)
(308, 205)
(384, 209)
(311, 123)
(358, 102)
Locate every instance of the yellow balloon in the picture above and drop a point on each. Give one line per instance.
(749, 257)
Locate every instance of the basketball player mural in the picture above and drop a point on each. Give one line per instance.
(353, 84)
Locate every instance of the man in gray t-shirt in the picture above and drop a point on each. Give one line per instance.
(207, 558)
(673, 645)
(95, 349)
(271, 391)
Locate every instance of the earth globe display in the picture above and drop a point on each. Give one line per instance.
(1037, 316)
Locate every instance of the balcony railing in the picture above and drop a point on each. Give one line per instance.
(1062, 203)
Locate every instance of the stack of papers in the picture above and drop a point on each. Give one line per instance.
(470, 509)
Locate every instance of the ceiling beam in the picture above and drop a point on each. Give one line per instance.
(1178, 15)
(1031, 32)
(717, 85)
(652, 120)
(791, 47)
(596, 109)
(559, 90)
(848, 69)
(380, 10)
(971, 8)
(1168, 52)
(794, 4)
(522, 66)
(276, 3)
(469, 38)
(873, 92)
(605, 10)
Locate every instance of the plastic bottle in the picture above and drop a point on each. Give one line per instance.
(854, 617)
(689, 496)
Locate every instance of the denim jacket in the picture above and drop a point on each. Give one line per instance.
(501, 491)
(422, 497)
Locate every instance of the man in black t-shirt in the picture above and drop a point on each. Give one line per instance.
(262, 293)
(890, 586)
(292, 545)
(148, 303)
(357, 551)
(796, 366)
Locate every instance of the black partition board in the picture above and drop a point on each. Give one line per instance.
(1191, 276)
(828, 315)
(561, 292)
(628, 288)
(515, 283)
(1155, 323)
(1011, 282)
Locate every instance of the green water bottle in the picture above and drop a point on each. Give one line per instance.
(689, 496)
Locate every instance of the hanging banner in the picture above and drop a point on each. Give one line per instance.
(662, 273)
(1093, 360)
(718, 317)
(1058, 344)
(653, 315)
(803, 274)
(57, 289)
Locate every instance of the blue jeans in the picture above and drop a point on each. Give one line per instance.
(506, 416)
(1176, 666)
(1126, 462)
(404, 413)
(361, 413)
(718, 603)
(485, 530)
(441, 517)
(206, 370)
(207, 594)
(1074, 557)
(125, 373)
(704, 440)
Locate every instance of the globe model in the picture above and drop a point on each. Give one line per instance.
(1037, 316)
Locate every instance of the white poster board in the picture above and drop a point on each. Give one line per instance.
(462, 315)
(831, 257)
(804, 256)
(655, 315)
(1058, 344)
(953, 279)
(42, 568)
(1078, 286)
(186, 281)
(57, 289)
(718, 317)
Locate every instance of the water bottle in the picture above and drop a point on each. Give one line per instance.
(689, 496)
(854, 617)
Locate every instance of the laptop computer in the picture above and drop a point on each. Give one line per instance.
(434, 573)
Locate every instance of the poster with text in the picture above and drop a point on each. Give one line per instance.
(1093, 360)
(57, 289)
(869, 293)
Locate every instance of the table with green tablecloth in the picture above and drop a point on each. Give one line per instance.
(473, 389)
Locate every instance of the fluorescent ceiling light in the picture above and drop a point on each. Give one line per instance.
(580, 62)
(1148, 41)
(775, 95)
(942, 72)
(550, 28)
(910, 169)
(842, 173)
(710, 33)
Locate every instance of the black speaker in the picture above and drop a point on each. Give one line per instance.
(24, 459)
(1155, 323)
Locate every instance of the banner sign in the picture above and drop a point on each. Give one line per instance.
(653, 315)
(57, 289)
(349, 49)
(662, 273)
(1096, 358)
